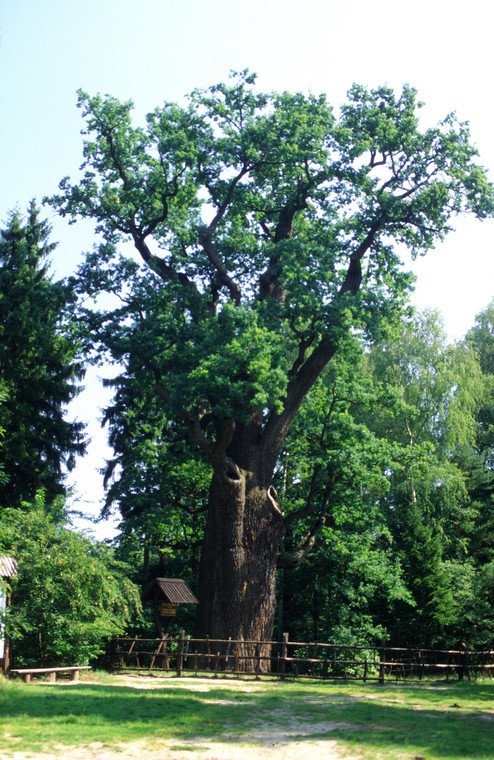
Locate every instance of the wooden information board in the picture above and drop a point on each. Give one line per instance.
(168, 610)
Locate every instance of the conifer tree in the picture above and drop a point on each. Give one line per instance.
(39, 367)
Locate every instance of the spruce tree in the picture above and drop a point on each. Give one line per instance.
(39, 368)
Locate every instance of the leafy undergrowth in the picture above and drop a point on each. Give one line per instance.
(436, 720)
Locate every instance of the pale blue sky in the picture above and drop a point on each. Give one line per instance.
(155, 50)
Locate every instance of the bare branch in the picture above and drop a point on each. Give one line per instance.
(205, 239)
(158, 265)
(294, 558)
(273, 500)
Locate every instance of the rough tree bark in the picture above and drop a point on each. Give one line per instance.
(237, 584)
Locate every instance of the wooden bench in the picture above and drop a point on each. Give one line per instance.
(26, 673)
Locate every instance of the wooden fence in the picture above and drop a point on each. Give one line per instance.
(183, 655)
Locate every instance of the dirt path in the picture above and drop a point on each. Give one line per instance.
(291, 750)
(269, 743)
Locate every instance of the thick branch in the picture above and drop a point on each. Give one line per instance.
(113, 152)
(229, 196)
(309, 504)
(273, 500)
(205, 239)
(268, 281)
(164, 270)
(193, 423)
(221, 273)
(304, 344)
(224, 467)
(353, 277)
(300, 384)
(278, 425)
(225, 437)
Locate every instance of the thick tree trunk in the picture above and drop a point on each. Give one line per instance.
(237, 583)
(239, 560)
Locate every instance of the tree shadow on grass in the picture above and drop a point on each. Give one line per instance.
(45, 715)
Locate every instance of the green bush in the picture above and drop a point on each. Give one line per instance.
(70, 595)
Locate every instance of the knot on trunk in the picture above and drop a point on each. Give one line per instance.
(230, 471)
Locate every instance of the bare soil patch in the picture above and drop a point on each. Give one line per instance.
(293, 750)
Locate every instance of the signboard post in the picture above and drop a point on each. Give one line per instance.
(167, 594)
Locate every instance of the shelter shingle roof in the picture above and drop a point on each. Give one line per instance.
(176, 591)
(8, 566)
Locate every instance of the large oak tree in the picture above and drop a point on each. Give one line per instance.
(268, 229)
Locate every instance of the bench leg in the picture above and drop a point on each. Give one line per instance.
(53, 677)
(74, 676)
(26, 677)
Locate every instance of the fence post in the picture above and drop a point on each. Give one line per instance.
(382, 660)
(258, 660)
(119, 652)
(284, 654)
(463, 669)
(180, 650)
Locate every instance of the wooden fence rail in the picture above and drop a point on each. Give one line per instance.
(182, 654)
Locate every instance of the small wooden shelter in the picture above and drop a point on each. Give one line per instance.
(8, 568)
(166, 595)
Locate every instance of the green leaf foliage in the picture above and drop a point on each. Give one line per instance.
(70, 595)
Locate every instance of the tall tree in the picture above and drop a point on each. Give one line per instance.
(477, 462)
(269, 229)
(430, 396)
(39, 368)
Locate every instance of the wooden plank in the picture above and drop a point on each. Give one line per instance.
(20, 671)
(26, 673)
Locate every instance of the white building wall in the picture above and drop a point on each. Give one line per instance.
(3, 604)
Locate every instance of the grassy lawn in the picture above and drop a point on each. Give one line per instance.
(436, 720)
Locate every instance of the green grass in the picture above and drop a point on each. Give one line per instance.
(437, 720)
